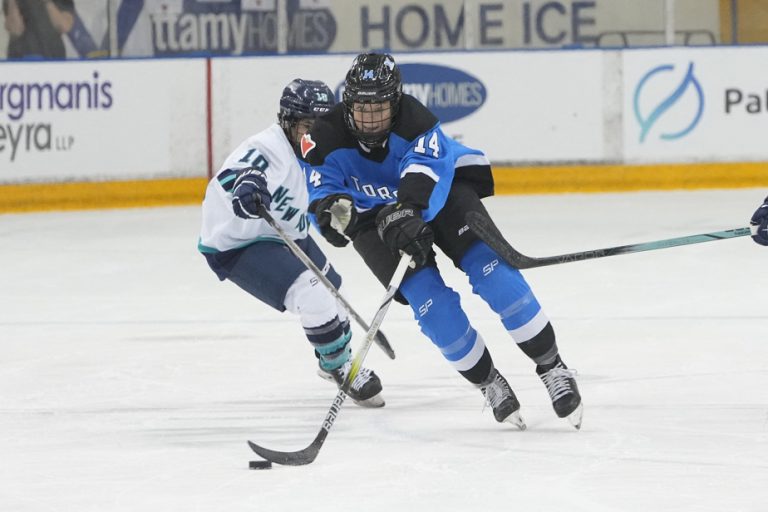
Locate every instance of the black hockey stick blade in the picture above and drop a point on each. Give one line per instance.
(308, 454)
(300, 458)
(484, 228)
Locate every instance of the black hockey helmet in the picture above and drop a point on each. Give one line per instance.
(373, 83)
(303, 99)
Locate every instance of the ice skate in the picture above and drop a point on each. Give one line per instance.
(561, 386)
(365, 390)
(502, 400)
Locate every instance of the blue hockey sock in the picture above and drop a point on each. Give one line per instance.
(507, 293)
(437, 309)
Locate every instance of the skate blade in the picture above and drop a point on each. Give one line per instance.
(374, 402)
(325, 375)
(516, 419)
(576, 416)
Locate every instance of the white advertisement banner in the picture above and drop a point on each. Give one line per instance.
(696, 105)
(102, 120)
(516, 107)
(246, 93)
(113, 120)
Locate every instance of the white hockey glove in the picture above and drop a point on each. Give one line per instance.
(335, 215)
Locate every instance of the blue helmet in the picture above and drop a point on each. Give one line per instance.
(303, 99)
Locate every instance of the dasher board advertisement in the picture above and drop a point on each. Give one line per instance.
(515, 106)
(102, 120)
(695, 105)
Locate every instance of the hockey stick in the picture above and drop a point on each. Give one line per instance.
(309, 454)
(490, 234)
(381, 340)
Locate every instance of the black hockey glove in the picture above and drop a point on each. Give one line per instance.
(335, 216)
(402, 229)
(759, 224)
(250, 192)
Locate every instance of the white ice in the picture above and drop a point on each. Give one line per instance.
(131, 378)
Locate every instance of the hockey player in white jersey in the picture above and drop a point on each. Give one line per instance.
(243, 248)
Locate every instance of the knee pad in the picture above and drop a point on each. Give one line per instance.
(311, 300)
(324, 321)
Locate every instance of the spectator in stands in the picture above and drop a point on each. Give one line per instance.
(36, 27)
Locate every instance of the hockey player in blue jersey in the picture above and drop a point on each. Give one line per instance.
(759, 224)
(244, 249)
(384, 175)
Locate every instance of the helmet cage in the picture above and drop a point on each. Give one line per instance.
(374, 79)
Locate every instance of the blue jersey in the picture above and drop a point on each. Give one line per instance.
(417, 165)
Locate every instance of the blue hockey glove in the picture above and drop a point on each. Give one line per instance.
(335, 216)
(759, 224)
(401, 227)
(250, 193)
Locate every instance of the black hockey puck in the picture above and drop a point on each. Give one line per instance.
(260, 464)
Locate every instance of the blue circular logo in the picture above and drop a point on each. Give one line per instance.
(449, 93)
(648, 120)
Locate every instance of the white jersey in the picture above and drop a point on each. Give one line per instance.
(270, 151)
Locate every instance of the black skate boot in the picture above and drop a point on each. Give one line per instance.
(502, 400)
(365, 390)
(561, 385)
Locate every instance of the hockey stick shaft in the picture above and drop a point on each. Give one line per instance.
(490, 234)
(309, 454)
(381, 340)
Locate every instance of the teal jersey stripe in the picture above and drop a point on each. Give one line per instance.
(227, 179)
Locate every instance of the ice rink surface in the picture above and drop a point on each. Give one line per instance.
(131, 378)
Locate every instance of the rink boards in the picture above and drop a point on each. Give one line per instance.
(98, 132)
